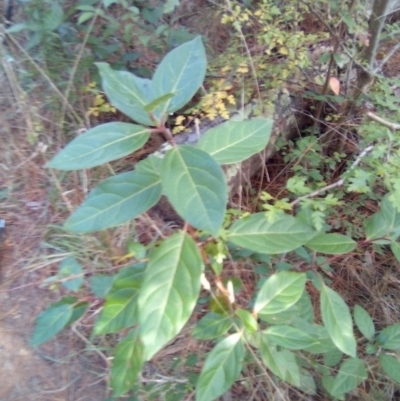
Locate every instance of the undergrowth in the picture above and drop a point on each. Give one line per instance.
(307, 306)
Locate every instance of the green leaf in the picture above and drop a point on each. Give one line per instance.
(395, 248)
(334, 244)
(100, 145)
(158, 102)
(169, 291)
(235, 141)
(120, 308)
(212, 325)
(129, 277)
(385, 222)
(301, 309)
(281, 363)
(279, 292)
(128, 93)
(71, 273)
(100, 285)
(221, 368)
(258, 234)
(289, 337)
(195, 185)
(50, 322)
(182, 72)
(352, 372)
(115, 201)
(389, 337)
(364, 322)
(249, 321)
(337, 320)
(323, 342)
(127, 364)
(119, 312)
(391, 366)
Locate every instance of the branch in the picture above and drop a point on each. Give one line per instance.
(336, 184)
(386, 123)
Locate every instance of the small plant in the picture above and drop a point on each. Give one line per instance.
(155, 297)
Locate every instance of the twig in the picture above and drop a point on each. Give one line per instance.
(384, 122)
(338, 183)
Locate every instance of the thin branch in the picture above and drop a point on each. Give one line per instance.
(384, 122)
(336, 184)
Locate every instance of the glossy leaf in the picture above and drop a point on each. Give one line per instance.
(195, 186)
(221, 368)
(337, 320)
(352, 372)
(334, 244)
(181, 72)
(115, 201)
(50, 322)
(258, 234)
(127, 364)
(212, 325)
(280, 292)
(100, 145)
(235, 141)
(71, 274)
(282, 363)
(364, 322)
(389, 337)
(169, 291)
(391, 366)
(128, 93)
(289, 337)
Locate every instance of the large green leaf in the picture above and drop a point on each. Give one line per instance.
(50, 322)
(115, 201)
(235, 141)
(391, 366)
(127, 363)
(100, 145)
(212, 325)
(281, 363)
(169, 291)
(128, 93)
(389, 337)
(289, 337)
(352, 372)
(364, 322)
(221, 368)
(196, 187)
(181, 72)
(279, 292)
(337, 320)
(334, 244)
(258, 234)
